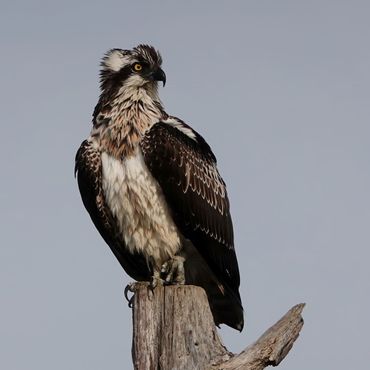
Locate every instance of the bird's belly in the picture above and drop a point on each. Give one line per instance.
(139, 208)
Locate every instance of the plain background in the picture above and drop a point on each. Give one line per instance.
(280, 90)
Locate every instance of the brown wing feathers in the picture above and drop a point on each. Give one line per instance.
(88, 171)
(185, 168)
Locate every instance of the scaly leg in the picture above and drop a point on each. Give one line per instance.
(173, 271)
(156, 280)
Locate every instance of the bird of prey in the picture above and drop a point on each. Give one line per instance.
(151, 186)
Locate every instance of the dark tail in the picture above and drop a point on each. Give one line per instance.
(225, 302)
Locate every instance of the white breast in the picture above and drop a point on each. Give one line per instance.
(138, 205)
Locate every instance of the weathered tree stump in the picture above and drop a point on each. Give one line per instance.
(173, 329)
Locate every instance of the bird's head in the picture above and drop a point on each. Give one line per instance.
(131, 69)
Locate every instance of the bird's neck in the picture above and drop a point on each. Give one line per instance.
(121, 122)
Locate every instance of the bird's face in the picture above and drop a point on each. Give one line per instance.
(136, 68)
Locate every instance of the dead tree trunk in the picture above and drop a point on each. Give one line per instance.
(173, 329)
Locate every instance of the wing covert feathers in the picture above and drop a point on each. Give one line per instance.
(185, 167)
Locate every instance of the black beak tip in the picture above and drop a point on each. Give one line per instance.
(162, 77)
(159, 75)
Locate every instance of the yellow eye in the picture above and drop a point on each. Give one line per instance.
(138, 67)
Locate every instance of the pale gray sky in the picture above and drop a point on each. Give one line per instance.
(280, 90)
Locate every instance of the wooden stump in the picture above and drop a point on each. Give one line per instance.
(173, 329)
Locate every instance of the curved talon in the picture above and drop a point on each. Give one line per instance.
(131, 301)
(150, 285)
(130, 288)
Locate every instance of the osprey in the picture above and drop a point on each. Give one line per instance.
(151, 186)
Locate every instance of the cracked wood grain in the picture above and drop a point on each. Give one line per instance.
(173, 329)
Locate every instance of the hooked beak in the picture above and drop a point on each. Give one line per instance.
(158, 75)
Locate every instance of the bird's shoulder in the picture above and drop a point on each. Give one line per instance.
(186, 169)
(174, 133)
